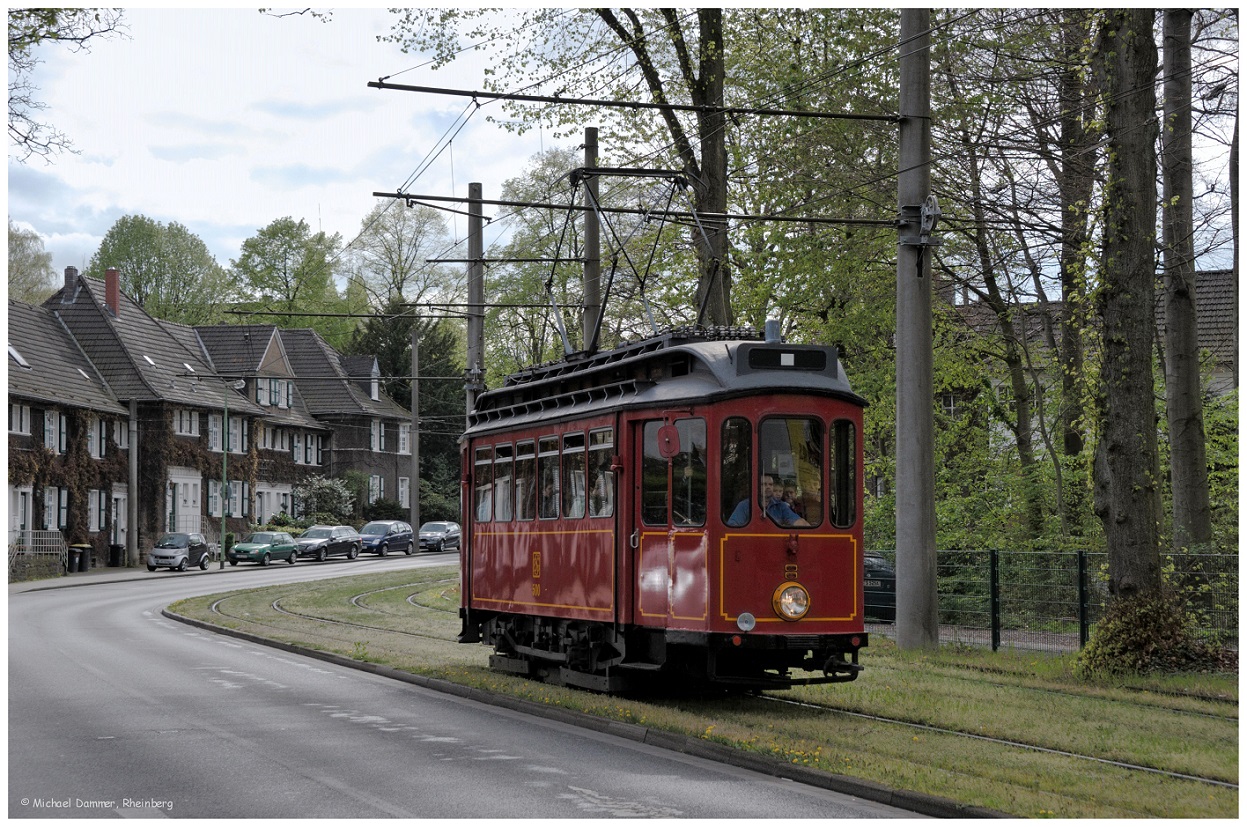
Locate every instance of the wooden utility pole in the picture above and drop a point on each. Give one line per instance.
(917, 618)
(593, 247)
(413, 488)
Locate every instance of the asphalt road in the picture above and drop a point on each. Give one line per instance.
(114, 710)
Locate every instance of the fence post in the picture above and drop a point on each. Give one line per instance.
(994, 581)
(1084, 621)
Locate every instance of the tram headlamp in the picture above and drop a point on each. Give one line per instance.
(791, 601)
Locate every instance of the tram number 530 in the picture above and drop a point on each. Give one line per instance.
(536, 574)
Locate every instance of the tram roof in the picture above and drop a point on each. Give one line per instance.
(679, 366)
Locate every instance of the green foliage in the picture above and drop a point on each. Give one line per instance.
(1143, 634)
(166, 269)
(286, 268)
(384, 509)
(320, 495)
(31, 277)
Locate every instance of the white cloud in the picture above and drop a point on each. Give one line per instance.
(225, 120)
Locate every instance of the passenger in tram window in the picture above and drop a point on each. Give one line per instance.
(549, 499)
(778, 510)
(792, 500)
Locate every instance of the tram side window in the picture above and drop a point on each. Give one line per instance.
(548, 477)
(482, 480)
(843, 473)
(503, 484)
(601, 477)
(735, 474)
(790, 454)
(573, 476)
(525, 481)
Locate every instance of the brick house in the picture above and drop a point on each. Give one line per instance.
(68, 437)
(226, 420)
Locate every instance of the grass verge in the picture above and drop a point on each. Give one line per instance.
(1181, 724)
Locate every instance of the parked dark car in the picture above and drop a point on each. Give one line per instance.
(179, 550)
(439, 536)
(880, 583)
(263, 547)
(325, 541)
(384, 536)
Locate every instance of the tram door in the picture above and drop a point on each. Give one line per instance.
(669, 522)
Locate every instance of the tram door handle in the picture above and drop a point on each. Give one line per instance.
(635, 539)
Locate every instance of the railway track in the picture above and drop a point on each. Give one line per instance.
(1002, 742)
(361, 601)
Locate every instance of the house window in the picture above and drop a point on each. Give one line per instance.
(55, 437)
(287, 393)
(404, 492)
(56, 507)
(296, 450)
(309, 449)
(121, 433)
(19, 419)
(261, 392)
(404, 438)
(320, 450)
(214, 432)
(376, 488)
(377, 435)
(97, 507)
(185, 422)
(97, 436)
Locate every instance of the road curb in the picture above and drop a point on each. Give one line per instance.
(920, 803)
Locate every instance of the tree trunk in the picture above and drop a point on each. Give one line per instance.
(1127, 490)
(1076, 180)
(1188, 462)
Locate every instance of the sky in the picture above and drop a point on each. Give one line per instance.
(224, 120)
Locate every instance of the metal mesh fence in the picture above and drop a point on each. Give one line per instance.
(1052, 600)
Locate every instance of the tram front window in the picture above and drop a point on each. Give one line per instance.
(790, 459)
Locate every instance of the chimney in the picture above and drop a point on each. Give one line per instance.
(112, 291)
(71, 278)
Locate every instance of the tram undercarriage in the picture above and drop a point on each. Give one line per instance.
(612, 659)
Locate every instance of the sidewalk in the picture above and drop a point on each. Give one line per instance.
(107, 574)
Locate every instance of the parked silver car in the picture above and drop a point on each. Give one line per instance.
(179, 550)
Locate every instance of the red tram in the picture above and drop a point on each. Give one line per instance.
(686, 507)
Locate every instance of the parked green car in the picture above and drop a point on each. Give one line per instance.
(263, 547)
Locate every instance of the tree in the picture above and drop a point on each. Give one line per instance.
(288, 273)
(387, 336)
(28, 30)
(320, 495)
(1188, 463)
(166, 268)
(391, 255)
(31, 277)
(1127, 484)
(679, 58)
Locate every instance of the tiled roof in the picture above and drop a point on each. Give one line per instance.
(55, 369)
(325, 382)
(239, 350)
(138, 356)
(1216, 308)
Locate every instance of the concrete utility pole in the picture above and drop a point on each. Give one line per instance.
(917, 618)
(476, 295)
(413, 488)
(593, 247)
